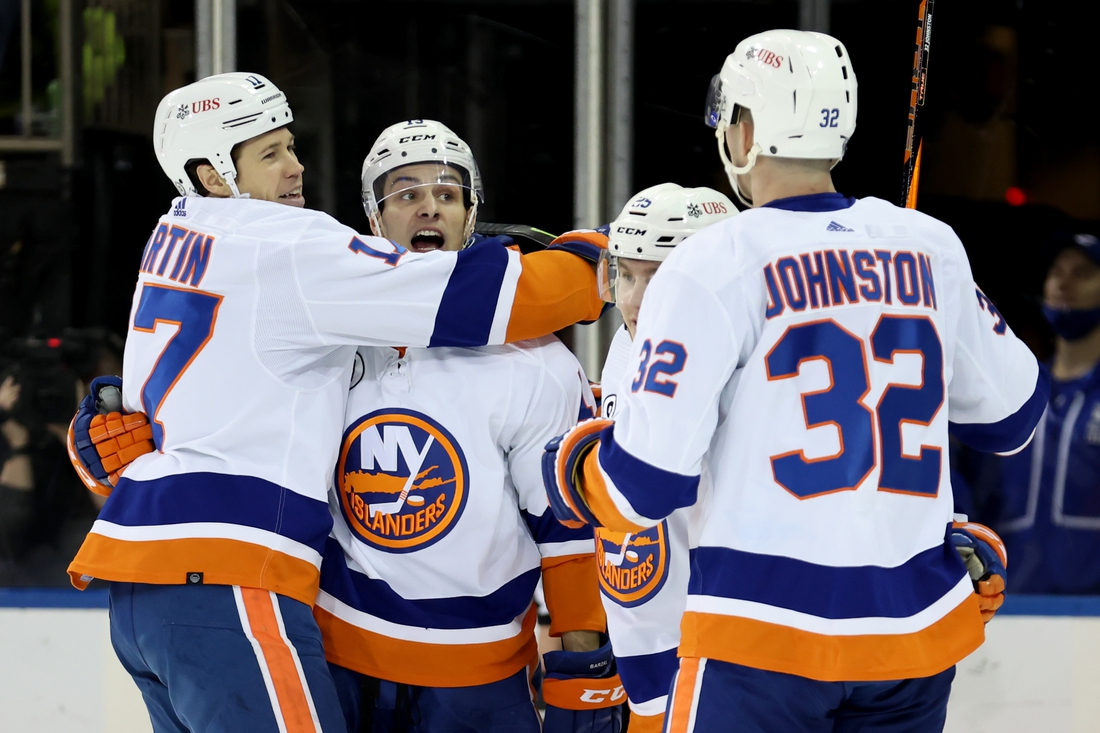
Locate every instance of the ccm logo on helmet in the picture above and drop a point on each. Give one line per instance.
(630, 230)
(766, 57)
(598, 696)
(205, 105)
(416, 138)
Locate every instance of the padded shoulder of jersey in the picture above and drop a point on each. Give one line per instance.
(261, 217)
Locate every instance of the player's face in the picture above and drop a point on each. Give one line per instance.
(630, 286)
(268, 169)
(424, 208)
(1073, 281)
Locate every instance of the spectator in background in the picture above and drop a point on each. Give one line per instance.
(45, 512)
(1050, 492)
(16, 474)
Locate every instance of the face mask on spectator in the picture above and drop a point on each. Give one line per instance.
(1072, 324)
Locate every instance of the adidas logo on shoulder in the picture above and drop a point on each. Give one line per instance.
(834, 227)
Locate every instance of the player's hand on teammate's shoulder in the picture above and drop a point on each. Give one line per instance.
(585, 243)
(103, 440)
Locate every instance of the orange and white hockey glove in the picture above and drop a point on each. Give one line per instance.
(563, 471)
(102, 440)
(986, 561)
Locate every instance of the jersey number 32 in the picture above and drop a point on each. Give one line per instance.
(865, 434)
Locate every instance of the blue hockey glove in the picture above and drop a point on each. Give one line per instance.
(102, 441)
(583, 692)
(986, 561)
(586, 243)
(563, 470)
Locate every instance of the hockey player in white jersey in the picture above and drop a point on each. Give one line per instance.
(810, 355)
(247, 313)
(644, 574)
(442, 528)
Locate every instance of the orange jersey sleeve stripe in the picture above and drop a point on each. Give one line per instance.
(873, 657)
(598, 498)
(287, 678)
(555, 290)
(427, 665)
(684, 694)
(169, 562)
(572, 593)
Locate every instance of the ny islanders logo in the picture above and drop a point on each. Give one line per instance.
(632, 566)
(402, 480)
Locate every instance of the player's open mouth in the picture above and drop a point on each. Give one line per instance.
(426, 240)
(293, 196)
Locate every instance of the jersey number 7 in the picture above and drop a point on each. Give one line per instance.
(841, 405)
(192, 312)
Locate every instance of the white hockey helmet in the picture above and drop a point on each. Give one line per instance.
(205, 119)
(419, 141)
(653, 222)
(801, 89)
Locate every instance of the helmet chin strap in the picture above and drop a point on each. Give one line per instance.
(230, 178)
(732, 171)
(471, 220)
(376, 224)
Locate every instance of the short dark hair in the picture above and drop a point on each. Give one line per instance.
(191, 167)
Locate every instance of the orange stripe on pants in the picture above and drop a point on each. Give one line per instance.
(290, 688)
(687, 679)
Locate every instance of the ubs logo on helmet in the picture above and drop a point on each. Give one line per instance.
(632, 566)
(402, 480)
(206, 105)
(764, 56)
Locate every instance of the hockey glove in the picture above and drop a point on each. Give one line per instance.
(583, 693)
(103, 441)
(986, 560)
(563, 472)
(586, 243)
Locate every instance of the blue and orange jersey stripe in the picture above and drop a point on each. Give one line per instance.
(420, 663)
(867, 657)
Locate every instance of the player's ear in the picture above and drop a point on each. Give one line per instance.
(211, 181)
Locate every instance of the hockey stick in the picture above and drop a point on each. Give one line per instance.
(617, 559)
(914, 145)
(392, 507)
(528, 238)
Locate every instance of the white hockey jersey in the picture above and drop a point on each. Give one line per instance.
(812, 355)
(442, 527)
(643, 580)
(243, 332)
